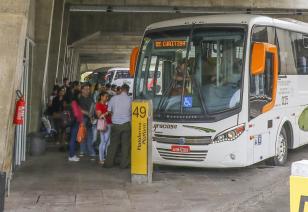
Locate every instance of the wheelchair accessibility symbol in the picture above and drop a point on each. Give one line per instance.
(187, 101)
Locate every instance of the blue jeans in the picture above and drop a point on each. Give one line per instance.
(72, 145)
(87, 146)
(105, 140)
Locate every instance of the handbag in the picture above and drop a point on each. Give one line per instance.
(101, 125)
(82, 132)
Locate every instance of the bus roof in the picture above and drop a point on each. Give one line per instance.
(290, 24)
(117, 69)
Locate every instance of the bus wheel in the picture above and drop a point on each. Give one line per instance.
(281, 150)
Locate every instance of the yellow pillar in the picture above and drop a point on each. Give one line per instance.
(299, 187)
(141, 148)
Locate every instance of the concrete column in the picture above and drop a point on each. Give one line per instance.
(58, 13)
(42, 24)
(65, 27)
(13, 25)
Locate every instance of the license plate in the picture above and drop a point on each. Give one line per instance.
(177, 148)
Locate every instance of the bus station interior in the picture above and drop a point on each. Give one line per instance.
(43, 41)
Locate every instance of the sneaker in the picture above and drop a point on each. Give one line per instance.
(74, 159)
(101, 162)
(81, 154)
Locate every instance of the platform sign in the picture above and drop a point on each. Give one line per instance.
(298, 194)
(141, 112)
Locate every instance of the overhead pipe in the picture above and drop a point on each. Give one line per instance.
(184, 10)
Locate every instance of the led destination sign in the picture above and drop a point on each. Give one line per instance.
(170, 44)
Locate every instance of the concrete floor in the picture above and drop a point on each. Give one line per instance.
(50, 183)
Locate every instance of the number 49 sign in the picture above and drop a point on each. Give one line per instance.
(141, 111)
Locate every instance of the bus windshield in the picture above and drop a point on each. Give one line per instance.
(194, 70)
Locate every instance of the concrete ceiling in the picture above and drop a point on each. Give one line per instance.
(107, 49)
(103, 32)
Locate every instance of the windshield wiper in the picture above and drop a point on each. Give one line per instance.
(186, 66)
(164, 96)
(200, 95)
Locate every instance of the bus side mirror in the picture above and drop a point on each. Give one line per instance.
(133, 61)
(258, 58)
(258, 66)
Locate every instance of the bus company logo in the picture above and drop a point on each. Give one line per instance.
(165, 126)
(182, 140)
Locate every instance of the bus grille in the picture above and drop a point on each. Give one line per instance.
(189, 140)
(193, 155)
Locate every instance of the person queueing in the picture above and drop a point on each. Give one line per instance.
(101, 109)
(87, 106)
(57, 108)
(109, 90)
(120, 108)
(96, 91)
(74, 130)
(71, 91)
(66, 83)
(118, 90)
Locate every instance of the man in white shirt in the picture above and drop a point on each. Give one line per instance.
(120, 106)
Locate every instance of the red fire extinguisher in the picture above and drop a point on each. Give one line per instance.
(20, 109)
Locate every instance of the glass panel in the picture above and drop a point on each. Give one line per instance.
(300, 52)
(193, 71)
(122, 74)
(264, 34)
(287, 64)
(259, 34)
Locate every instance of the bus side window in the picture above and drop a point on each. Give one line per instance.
(264, 34)
(286, 54)
(259, 34)
(140, 83)
(261, 87)
(300, 52)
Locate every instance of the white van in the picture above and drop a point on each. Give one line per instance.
(119, 76)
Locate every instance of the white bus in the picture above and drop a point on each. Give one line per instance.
(233, 89)
(120, 76)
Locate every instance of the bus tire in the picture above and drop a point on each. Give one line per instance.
(281, 150)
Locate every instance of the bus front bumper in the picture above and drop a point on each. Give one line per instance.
(221, 155)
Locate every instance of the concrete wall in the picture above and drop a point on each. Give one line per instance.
(13, 24)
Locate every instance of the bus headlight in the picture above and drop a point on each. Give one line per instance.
(230, 134)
